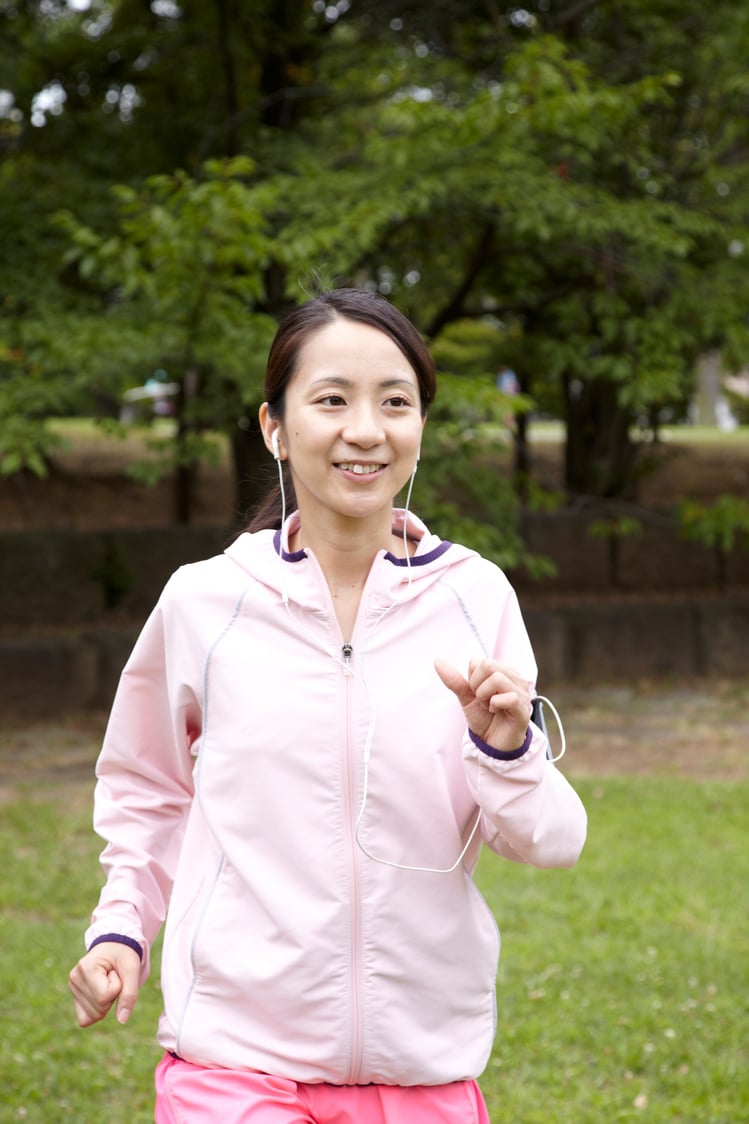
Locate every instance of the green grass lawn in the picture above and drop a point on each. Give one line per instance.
(623, 987)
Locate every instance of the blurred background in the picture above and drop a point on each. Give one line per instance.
(558, 195)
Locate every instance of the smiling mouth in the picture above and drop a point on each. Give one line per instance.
(360, 469)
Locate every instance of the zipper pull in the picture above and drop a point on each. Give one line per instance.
(348, 652)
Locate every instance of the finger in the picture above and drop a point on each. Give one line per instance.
(129, 976)
(499, 688)
(514, 706)
(91, 999)
(504, 701)
(83, 1012)
(495, 691)
(88, 1015)
(486, 670)
(456, 682)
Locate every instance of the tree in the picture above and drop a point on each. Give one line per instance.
(116, 93)
(599, 186)
(183, 274)
(567, 176)
(601, 222)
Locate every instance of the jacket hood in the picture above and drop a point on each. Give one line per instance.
(295, 575)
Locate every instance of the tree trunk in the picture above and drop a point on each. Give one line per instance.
(254, 471)
(186, 470)
(184, 490)
(521, 467)
(600, 457)
(228, 59)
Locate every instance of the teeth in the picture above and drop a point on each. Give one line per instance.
(361, 469)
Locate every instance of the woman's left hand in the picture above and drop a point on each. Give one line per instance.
(496, 701)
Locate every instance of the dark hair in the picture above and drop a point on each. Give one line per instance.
(291, 336)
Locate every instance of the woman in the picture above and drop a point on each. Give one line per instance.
(314, 735)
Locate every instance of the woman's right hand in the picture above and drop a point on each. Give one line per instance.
(110, 971)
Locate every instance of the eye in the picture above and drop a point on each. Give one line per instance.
(331, 400)
(398, 402)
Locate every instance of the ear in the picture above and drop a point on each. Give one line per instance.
(271, 433)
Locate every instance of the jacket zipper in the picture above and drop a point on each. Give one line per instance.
(356, 1046)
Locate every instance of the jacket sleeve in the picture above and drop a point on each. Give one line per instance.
(530, 812)
(144, 790)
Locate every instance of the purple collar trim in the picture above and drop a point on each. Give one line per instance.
(294, 556)
(416, 560)
(420, 559)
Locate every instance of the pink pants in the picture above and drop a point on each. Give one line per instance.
(191, 1094)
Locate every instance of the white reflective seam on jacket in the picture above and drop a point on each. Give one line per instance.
(464, 608)
(197, 772)
(207, 668)
(196, 933)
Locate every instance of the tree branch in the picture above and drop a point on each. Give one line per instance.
(455, 305)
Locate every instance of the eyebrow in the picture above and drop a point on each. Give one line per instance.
(341, 380)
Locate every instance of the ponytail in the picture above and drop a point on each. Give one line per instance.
(266, 515)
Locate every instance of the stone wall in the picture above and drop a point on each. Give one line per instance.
(71, 605)
(54, 578)
(656, 559)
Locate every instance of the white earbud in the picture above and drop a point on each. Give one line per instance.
(275, 446)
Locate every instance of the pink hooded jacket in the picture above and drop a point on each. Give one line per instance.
(299, 801)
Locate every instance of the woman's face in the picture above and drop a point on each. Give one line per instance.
(352, 422)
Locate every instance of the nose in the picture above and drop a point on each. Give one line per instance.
(363, 427)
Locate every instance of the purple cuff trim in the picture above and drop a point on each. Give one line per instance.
(117, 938)
(502, 754)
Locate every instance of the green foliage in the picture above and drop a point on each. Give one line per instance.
(183, 275)
(615, 526)
(542, 499)
(717, 524)
(478, 348)
(463, 500)
(27, 400)
(577, 173)
(24, 442)
(186, 267)
(459, 493)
